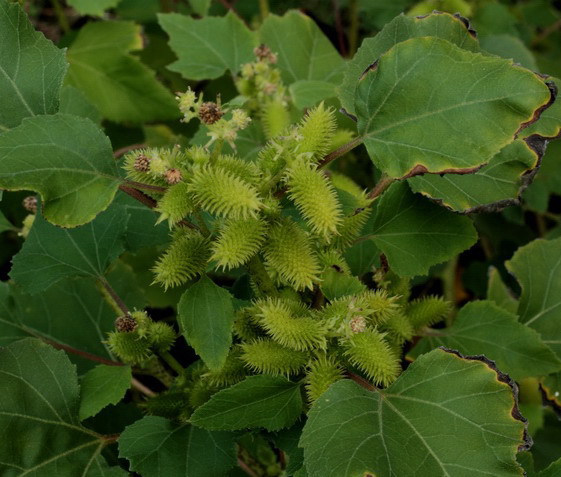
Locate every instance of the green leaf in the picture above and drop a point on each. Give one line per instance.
(549, 123)
(102, 386)
(553, 470)
(415, 234)
(415, 121)
(206, 318)
(551, 386)
(307, 93)
(117, 83)
(51, 253)
(492, 187)
(93, 7)
(31, 69)
(308, 55)
(336, 284)
(537, 267)
(67, 159)
(498, 292)
(157, 447)
(206, 48)
(73, 101)
(5, 224)
(401, 28)
(482, 327)
(39, 411)
(509, 46)
(258, 401)
(445, 415)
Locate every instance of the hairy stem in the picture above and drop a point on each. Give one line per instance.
(381, 187)
(264, 8)
(353, 31)
(123, 150)
(61, 16)
(340, 151)
(79, 352)
(112, 294)
(339, 28)
(140, 185)
(261, 278)
(136, 384)
(171, 362)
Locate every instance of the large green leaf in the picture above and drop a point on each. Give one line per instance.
(498, 292)
(102, 386)
(157, 447)
(494, 186)
(5, 224)
(401, 28)
(551, 386)
(309, 55)
(549, 124)
(446, 415)
(73, 101)
(117, 83)
(206, 48)
(71, 314)
(92, 7)
(67, 159)
(415, 234)
(416, 104)
(31, 68)
(537, 267)
(39, 416)
(482, 327)
(206, 318)
(258, 401)
(52, 253)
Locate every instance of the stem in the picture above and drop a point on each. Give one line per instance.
(61, 16)
(339, 28)
(261, 278)
(542, 226)
(136, 384)
(381, 187)
(361, 381)
(78, 352)
(171, 362)
(113, 295)
(202, 224)
(123, 150)
(546, 32)
(353, 32)
(242, 465)
(216, 150)
(264, 8)
(340, 151)
(140, 185)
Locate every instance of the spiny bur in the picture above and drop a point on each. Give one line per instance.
(175, 204)
(238, 241)
(322, 373)
(427, 311)
(222, 193)
(370, 353)
(315, 198)
(289, 251)
(275, 118)
(185, 258)
(129, 346)
(161, 335)
(269, 357)
(290, 329)
(317, 130)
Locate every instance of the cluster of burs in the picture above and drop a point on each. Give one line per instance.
(287, 223)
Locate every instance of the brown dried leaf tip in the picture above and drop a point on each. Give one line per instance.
(264, 53)
(210, 112)
(30, 204)
(142, 163)
(173, 176)
(125, 324)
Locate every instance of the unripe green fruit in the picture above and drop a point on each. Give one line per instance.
(129, 347)
(317, 130)
(161, 335)
(427, 311)
(175, 204)
(169, 404)
(268, 357)
(322, 373)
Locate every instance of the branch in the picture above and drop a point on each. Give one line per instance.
(361, 381)
(140, 185)
(339, 28)
(113, 294)
(340, 151)
(380, 187)
(123, 150)
(78, 352)
(136, 384)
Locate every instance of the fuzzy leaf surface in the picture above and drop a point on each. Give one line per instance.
(446, 415)
(309, 55)
(67, 159)
(537, 267)
(401, 28)
(497, 184)
(482, 327)
(52, 253)
(208, 47)
(415, 121)
(92, 7)
(498, 292)
(157, 447)
(39, 409)
(206, 318)
(117, 83)
(101, 386)
(414, 233)
(258, 401)
(31, 68)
